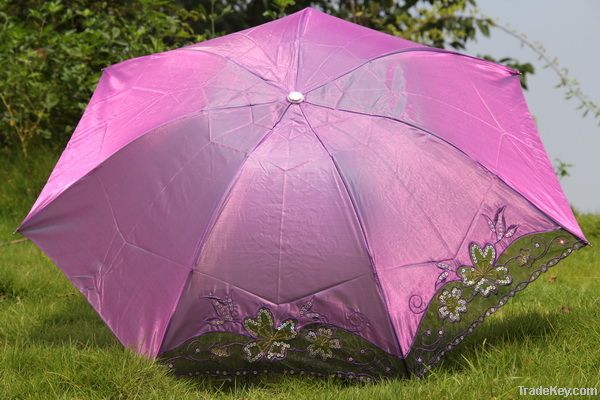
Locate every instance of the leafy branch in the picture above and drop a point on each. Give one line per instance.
(571, 86)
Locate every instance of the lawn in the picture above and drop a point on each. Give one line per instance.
(52, 345)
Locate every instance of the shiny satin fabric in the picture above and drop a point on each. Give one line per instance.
(191, 176)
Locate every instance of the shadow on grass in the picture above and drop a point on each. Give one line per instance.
(497, 333)
(8, 291)
(74, 323)
(238, 386)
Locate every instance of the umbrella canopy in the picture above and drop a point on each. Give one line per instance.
(307, 196)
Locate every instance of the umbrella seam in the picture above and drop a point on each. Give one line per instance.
(477, 212)
(150, 131)
(366, 243)
(110, 267)
(276, 303)
(337, 49)
(458, 149)
(413, 50)
(462, 242)
(281, 220)
(264, 79)
(301, 29)
(227, 193)
(150, 205)
(212, 223)
(436, 230)
(181, 342)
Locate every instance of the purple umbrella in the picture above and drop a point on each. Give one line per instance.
(306, 197)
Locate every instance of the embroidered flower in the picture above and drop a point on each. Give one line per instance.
(322, 343)
(524, 256)
(357, 320)
(306, 311)
(219, 351)
(498, 225)
(443, 275)
(225, 310)
(452, 304)
(270, 342)
(484, 274)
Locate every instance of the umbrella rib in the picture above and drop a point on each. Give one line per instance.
(333, 53)
(455, 255)
(412, 125)
(472, 223)
(276, 303)
(220, 205)
(366, 242)
(120, 232)
(301, 28)
(425, 130)
(417, 203)
(267, 81)
(213, 219)
(192, 114)
(411, 50)
(281, 221)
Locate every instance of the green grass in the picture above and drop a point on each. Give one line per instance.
(52, 345)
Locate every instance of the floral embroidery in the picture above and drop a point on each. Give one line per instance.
(484, 274)
(319, 354)
(270, 341)
(219, 351)
(524, 256)
(452, 304)
(416, 304)
(322, 343)
(313, 346)
(484, 287)
(306, 311)
(444, 274)
(224, 309)
(498, 225)
(357, 321)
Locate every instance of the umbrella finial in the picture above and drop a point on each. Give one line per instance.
(295, 97)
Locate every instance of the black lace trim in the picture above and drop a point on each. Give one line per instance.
(425, 354)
